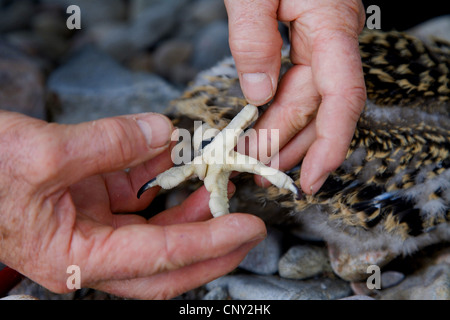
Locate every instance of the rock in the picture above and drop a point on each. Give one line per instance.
(391, 278)
(252, 287)
(92, 85)
(153, 23)
(171, 60)
(361, 289)
(357, 297)
(263, 259)
(16, 15)
(150, 22)
(150, 26)
(304, 261)
(217, 293)
(112, 38)
(353, 267)
(19, 297)
(203, 12)
(438, 27)
(429, 283)
(29, 288)
(138, 6)
(211, 45)
(21, 83)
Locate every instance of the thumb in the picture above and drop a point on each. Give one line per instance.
(255, 44)
(112, 144)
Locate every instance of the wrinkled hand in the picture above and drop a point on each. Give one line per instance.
(63, 195)
(319, 100)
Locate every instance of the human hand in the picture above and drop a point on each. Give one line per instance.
(319, 100)
(63, 199)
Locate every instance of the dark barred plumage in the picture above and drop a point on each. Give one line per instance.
(393, 190)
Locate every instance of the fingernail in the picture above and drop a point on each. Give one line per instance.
(156, 128)
(258, 238)
(257, 87)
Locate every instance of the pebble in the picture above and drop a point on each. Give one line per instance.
(391, 278)
(253, 287)
(304, 261)
(211, 45)
(429, 283)
(19, 297)
(358, 297)
(263, 259)
(438, 27)
(29, 288)
(171, 60)
(360, 288)
(353, 267)
(92, 85)
(217, 293)
(16, 15)
(21, 83)
(152, 24)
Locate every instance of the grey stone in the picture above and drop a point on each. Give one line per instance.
(139, 6)
(438, 27)
(304, 261)
(171, 60)
(21, 83)
(203, 12)
(353, 267)
(92, 85)
(429, 283)
(361, 289)
(16, 15)
(252, 287)
(150, 22)
(263, 259)
(217, 293)
(358, 297)
(211, 45)
(391, 278)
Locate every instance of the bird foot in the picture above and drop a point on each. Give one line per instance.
(217, 160)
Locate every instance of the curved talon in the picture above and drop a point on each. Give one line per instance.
(145, 187)
(296, 190)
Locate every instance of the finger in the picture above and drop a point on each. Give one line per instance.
(255, 44)
(173, 283)
(73, 152)
(123, 186)
(293, 108)
(337, 71)
(194, 208)
(143, 250)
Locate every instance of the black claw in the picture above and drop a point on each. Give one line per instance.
(144, 188)
(298, 194)
(206, 142)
